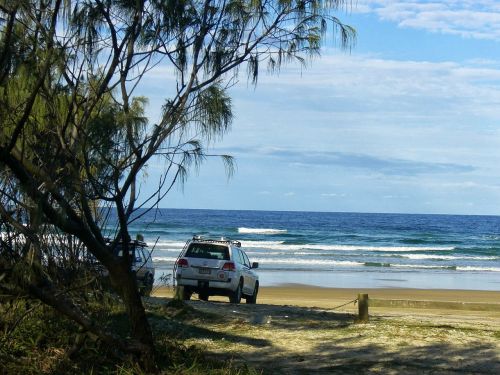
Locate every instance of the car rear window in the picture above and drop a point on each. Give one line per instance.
(208, 251)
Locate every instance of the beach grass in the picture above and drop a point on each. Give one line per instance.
(36, 340)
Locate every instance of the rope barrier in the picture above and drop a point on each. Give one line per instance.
(345, 304)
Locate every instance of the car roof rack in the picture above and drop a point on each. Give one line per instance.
(223, 240)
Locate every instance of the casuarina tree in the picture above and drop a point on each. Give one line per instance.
(74, 139)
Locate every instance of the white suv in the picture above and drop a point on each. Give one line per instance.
(216, 267)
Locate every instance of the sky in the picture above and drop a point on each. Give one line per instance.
(407, 121)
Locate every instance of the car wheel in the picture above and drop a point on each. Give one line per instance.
(253, 297)
(203, 296)
(235, 296)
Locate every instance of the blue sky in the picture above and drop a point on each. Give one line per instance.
(408, 121)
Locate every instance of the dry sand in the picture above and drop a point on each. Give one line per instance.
(297, 329)
(304, 295)
(381, 300)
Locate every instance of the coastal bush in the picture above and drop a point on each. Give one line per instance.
(36, 340)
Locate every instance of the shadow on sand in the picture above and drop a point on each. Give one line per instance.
(334, 343)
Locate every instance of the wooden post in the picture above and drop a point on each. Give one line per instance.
(362, 307)
(178, 293)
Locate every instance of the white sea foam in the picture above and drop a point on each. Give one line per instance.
(378, 248)
(306, 262)
(416, 266)
(342, 263)
(261, 230)
(481, 269)
(164, 259)
(303, 248)
(166, 244)
(308, 253)
(280, 245)
(457, 268)
(267, 253)
(263, 244)
(445, 257)
(323, 262)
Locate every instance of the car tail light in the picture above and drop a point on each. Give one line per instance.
(182, 263)
(229, 266)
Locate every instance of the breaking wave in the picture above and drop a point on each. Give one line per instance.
(281, 245)
(445, 257)
(261, 230)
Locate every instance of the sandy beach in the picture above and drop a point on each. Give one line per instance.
(443, 304)
(297, 329)
(381, 298)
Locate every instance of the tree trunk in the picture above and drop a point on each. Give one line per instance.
(125, 283)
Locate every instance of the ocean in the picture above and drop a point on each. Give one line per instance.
(344, 250)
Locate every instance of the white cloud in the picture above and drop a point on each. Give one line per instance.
(365, 90)
(345, 75)
(392, 196)
(470, 19)
(333, 195)
(428, 112)
(463, 185)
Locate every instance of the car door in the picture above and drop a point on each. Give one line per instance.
(248, 274)
(238, 258)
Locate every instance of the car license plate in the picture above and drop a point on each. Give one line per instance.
(205, 271)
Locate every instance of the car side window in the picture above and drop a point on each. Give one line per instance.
(246, 260)
(237, 256)
(138, 255)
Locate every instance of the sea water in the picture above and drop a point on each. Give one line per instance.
(348, 250)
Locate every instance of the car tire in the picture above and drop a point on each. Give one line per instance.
(203, 296)
(235, 296)
(253, 298)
